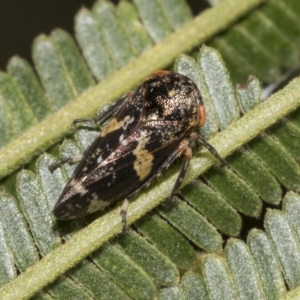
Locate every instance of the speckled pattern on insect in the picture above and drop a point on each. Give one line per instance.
(148, 130)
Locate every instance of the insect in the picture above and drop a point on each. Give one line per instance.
(148, 130)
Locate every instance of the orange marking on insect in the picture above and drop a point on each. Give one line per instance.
(159, 73)
(201, 115)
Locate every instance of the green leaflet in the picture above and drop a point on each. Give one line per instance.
(64, 54)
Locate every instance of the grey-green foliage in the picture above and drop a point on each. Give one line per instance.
(147, 262)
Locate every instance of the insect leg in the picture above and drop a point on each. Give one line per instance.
(209, 147)
(64, 160)
(187, 152)
(124, 214)
(188, 155)
(106, 113)
(182, 148)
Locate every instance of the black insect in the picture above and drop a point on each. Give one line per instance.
(149, 129)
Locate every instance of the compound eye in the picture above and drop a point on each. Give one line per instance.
(201, 115)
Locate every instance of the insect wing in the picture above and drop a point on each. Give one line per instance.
(123, 171)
